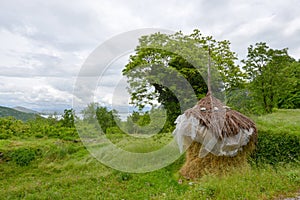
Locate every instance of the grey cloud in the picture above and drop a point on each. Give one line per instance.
(65, 26)
(62, 33)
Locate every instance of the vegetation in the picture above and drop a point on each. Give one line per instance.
(55, 167)
(273, 78)
(165, 62)
(45, 159)
(279, 138)
(9, 112)
(270, 80)
(11, 128)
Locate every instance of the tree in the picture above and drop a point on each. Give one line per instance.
(290, 92)
(68, 118)
(266, 72)
(136, 122)
(147, 123)
(163, 69)
(106, 118)
(96, 114)
(89, 113)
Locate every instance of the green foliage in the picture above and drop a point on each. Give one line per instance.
(242, 101)
(290, 93)
(38, 128)
(89, 113)
(114, 130)
(23, 156)
(163, 69)
(278, 137)
(150, 122)
(276, 148)
(11, 127)
(94, 113)
(68, 134)
(106, 118)
(271, 81)
(68, 119)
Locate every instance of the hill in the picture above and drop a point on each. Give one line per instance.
(10, 112)
(25, 110)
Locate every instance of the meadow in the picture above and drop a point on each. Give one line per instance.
(53, 167)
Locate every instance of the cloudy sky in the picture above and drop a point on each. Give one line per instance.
(45, 43)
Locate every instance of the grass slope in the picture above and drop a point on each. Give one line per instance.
(281, 121)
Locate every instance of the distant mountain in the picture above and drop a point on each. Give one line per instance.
(25, 110)
(7, 112)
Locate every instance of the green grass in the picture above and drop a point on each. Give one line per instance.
(281, 121)
(66, 170)
(78, 176)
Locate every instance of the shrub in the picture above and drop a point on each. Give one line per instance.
(274, 148)
(23, 156)
(114, 130)
(68, 134)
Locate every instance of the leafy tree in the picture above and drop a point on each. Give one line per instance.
(136, 122)
(89, 113)
(106, 118)
(150, 122)
(290, 93)
(266, 72)
(163, 69)
(68, 118)
(142, 119)
(96, 113)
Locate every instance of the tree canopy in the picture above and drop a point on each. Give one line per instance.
(273, 77)
(172, 69)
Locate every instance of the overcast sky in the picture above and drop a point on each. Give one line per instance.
(43, 44)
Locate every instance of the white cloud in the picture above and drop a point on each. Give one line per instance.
(45, 43)
(35, 92)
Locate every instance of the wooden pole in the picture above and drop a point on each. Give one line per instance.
(208, 71)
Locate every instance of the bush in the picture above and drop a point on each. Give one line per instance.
(114, 130)
(23, 156)
(274, 148)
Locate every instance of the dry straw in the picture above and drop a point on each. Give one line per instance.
(222, 123)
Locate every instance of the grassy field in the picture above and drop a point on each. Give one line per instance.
(65, 170)
(281, 121)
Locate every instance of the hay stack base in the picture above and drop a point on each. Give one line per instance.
(219, 140)
(196, 167)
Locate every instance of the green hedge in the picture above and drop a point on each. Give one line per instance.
(274, 148)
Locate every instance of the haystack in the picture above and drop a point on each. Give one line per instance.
(218, 138)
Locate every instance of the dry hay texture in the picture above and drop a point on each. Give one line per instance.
(220, 118)
(224, 122)
(196, 167)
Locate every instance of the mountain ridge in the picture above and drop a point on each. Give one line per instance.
(11, 112)
(25, 110)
